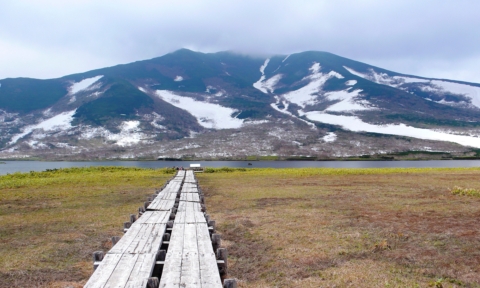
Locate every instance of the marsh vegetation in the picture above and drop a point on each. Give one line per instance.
(312, 227)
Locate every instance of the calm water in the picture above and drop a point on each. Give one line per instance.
(26, 166)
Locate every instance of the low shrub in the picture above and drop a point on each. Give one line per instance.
(465, 191)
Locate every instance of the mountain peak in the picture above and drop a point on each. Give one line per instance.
(210, 102)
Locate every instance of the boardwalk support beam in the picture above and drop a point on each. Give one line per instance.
(115, 239)
(222, 255)
(153, 282)
(230, 283)
(97, 258)
(216, 241)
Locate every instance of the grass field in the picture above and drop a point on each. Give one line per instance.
(348, 227)
(282, 227)
(51, 222)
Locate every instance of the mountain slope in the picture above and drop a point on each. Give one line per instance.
(309, 102)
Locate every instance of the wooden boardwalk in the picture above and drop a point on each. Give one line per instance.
(171, 244)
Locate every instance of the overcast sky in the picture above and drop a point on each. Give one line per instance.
(53, 38)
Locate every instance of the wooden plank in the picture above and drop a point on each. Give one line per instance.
(154, 217)
(209, 274)
(191, 197)
(163, 203)
(189, 174)
(173, 261)
(190, 259)
(190, 275)
(140, 238)
(123, 244)
(104, 271)
(148, 240)
(165, 199)
(142, 271)
(181, 214)
(122, 272)
(189, 212)
(189, 188)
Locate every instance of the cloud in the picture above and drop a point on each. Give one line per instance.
(49, 38)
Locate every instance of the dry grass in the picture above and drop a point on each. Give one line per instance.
(283, 228)
(51, 222)
(348, 227)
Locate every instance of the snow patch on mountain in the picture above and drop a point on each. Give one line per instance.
(269, 85)
(130, 133)
(348, 101)
(209, 115)
(330, 137)
(34, 144)
(155, 117)
(385, 79)
(308, 94)
(436, 86)
(58, 122)
(285, 111)
(351, 82)
(357, 125)
(84, 84)
(48, 112)
(259, 85)
(255, 122)
(442, 87)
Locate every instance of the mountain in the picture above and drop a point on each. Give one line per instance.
(214, 105)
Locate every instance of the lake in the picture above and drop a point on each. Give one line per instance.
(27, 166)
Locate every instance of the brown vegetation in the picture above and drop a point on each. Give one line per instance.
(51, 222)
(345, 230)
(282, 227)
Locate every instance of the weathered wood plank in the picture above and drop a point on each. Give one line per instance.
(104, 271)
(140, 238)
(126, 240)
(154, 217)
(165, 200)
(209, 274)
(161, 204)
(189, 188)
(190, 275)
(190, 260)
(189, 212)
(122, 271)
(173, 261)
(191, 197)
(141, 271)
(148, 240)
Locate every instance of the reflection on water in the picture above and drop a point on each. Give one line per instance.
(26, 166)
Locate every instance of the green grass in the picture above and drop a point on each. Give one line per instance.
(465, 191)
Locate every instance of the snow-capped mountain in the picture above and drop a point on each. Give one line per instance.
(225, 104)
